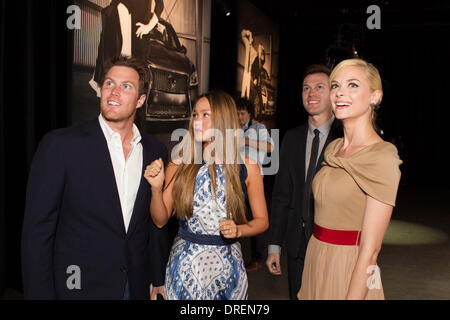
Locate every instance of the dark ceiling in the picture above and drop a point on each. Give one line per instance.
(400, 13)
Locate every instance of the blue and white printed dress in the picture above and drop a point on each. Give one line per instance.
(197, 271)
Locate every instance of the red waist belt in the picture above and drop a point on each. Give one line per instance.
(339, 237)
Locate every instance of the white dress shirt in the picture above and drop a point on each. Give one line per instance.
(256, 131)
(128, 171)
(324, 130)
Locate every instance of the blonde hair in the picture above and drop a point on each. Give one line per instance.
(223, 117)
(372, 75)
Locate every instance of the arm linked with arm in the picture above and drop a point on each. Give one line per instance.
(158, 245)
(161, 202)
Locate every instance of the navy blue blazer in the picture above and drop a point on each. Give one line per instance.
(288, 189)
(73, 217)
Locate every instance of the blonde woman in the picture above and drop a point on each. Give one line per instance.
(207, 197)
(354, 193)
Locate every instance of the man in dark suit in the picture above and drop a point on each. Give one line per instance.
(300, 158)
(87, 231)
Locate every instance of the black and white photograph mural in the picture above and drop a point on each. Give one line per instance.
(257, 70)
(171, 37)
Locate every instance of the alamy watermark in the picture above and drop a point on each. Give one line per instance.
(74, 279)
(374, 280)
(74, 20)
(220, 149)
(374, 20)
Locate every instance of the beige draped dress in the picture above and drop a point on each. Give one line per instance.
(340, 191)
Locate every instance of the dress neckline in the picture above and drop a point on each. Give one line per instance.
(341, 141)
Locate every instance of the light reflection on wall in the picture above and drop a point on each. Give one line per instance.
(407, 233)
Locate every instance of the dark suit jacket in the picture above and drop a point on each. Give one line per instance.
(73, 217)
(287, 193)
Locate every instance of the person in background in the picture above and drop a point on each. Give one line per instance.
(301, 156)
(249, 57)
(257, 143)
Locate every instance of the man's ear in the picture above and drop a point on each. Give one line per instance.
(141, 101)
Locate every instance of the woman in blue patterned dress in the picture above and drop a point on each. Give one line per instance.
(205, 188)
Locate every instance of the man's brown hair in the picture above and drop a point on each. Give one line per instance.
(131, 62)
(316, 68)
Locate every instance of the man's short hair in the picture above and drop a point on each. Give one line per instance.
(316, 68)
(245, 104)
(131, 62)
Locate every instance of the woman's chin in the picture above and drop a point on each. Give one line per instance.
(340, 114)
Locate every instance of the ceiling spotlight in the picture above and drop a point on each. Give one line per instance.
(225, 6)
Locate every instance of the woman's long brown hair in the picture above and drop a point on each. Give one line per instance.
(223, 116)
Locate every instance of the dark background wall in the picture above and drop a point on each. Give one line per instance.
(411, 51)
(2, 154)
(223, 55)
(34, 82)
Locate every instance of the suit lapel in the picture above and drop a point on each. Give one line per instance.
(300, 163)
(335, 132)
(101, 161)
(141, 198)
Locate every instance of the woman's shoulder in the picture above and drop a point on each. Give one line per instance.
(248, 161)
(175, 162)
(377, 171)
(379, 148)
(333, 146)
(250, 166)
(385, 148)
(379, 153)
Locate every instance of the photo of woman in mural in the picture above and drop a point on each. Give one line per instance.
(250, 56)
(260, 79)
(137, 28)
(125, 26)
(256, 62)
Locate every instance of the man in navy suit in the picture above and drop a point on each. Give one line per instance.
(292, 200)
(87, 230)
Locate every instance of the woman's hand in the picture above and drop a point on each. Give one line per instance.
(229, 229)
(143, 29)
(154, 174)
